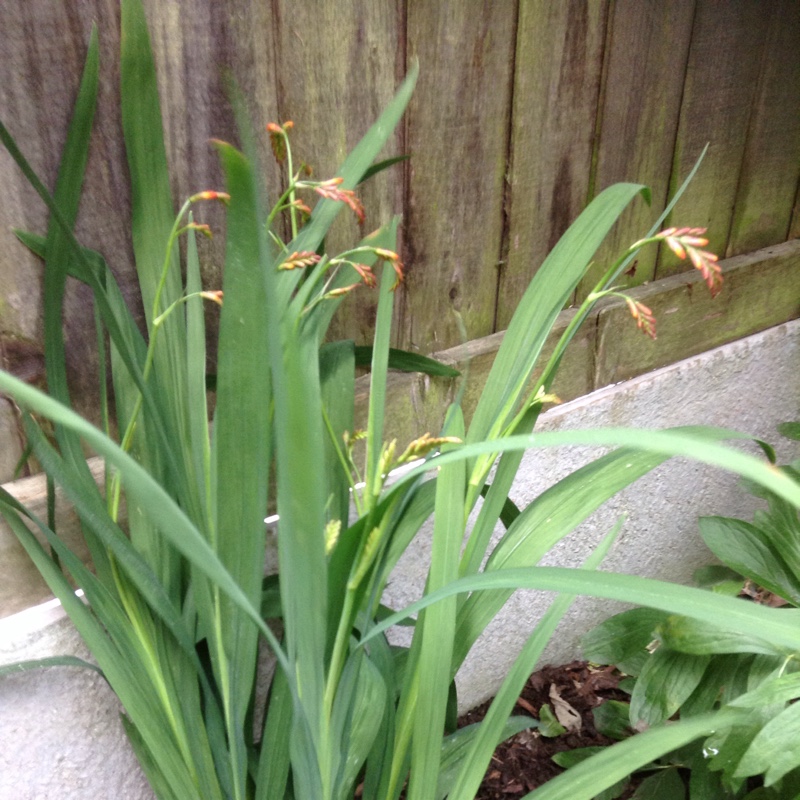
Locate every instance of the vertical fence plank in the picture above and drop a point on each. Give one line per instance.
(557, 84)
(771, 166)
(724, 64)
(338, 65)
(458, 138)
(645, 65)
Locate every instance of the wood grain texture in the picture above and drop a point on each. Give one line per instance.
(720, 89)
(645, 67)
(771, 166)
(760, 289)
(457, 133)
(557, 85)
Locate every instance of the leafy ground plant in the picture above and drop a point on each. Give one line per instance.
(680, 666)
(177, 602)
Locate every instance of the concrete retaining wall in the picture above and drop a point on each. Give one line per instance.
(60, 734)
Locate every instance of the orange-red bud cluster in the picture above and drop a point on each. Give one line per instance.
(330, 191)
(301, 258)
(645, 320)
(215, 297)
(277, 138)
(687, 242)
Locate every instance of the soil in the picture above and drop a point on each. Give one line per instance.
(524, 762)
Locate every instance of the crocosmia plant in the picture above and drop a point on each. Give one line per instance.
(177, 602)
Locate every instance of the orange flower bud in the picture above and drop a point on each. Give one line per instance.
(210, 195)
(200, 228)
(342, 291)
(215, 297)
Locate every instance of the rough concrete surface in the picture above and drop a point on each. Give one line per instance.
(60, 734)
(750, 385)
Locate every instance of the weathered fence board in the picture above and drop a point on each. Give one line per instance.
(771, 166)
(645, 62)
(558, 67)
(457, 128)
(719, 90)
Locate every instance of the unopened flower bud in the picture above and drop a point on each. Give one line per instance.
(214, 297)
(210, 195)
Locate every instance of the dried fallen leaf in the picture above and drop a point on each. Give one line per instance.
(564, 712)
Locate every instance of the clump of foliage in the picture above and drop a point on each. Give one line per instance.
(177, 601)
(681, 666)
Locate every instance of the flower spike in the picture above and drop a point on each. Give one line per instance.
(645, 320)
(301, 258)
(330, 191)
(687, 242)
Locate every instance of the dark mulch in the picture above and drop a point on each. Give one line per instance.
(524, 762)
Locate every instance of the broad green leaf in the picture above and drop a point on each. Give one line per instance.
(57, 246)
(719, 579)
(703, 783)
(748, 550)
(727, 745)
(664, 783)
(775, 750)
(273, 763)
(722, 673)
(666, 680)
(569, 758)
(152, 210)
(686, 635)
(623, 639)
(612, 719)
(778, 690)
(781, 528)
(241, 444)
(791, 430)
(549, 725)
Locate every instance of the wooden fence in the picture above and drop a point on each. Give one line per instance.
(524, 110)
